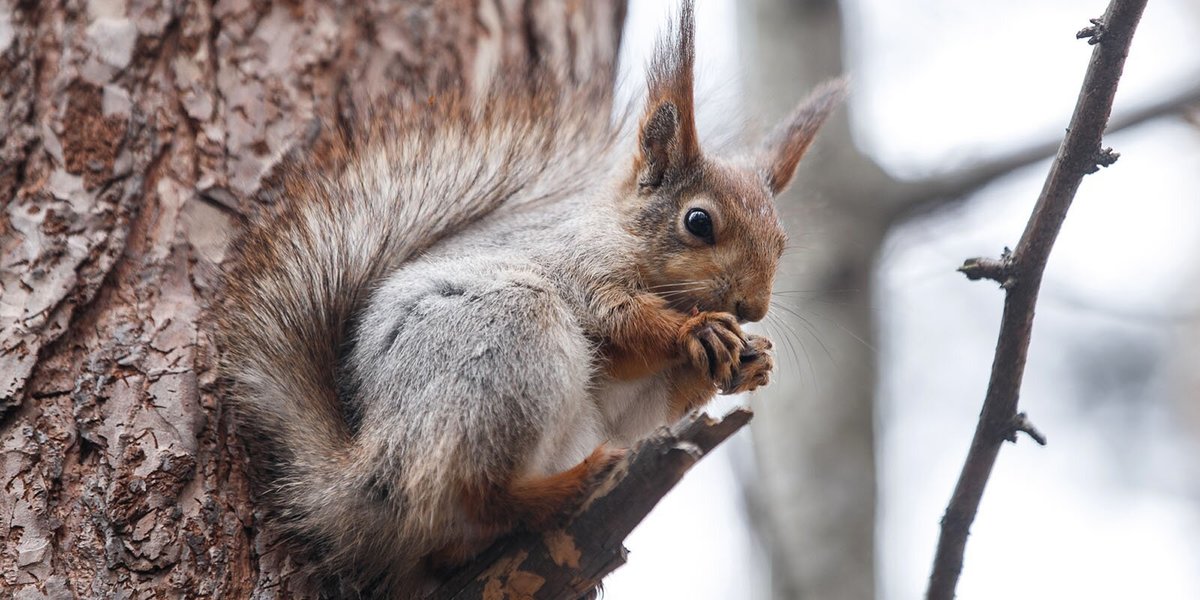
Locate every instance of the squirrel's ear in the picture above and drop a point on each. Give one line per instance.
(665, 146)
(667, 139)
(782, 150)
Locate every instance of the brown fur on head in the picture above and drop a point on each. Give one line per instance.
(711, 239)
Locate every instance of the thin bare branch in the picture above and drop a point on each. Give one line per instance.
(570, 562)
(923, 195)
(1079, 154)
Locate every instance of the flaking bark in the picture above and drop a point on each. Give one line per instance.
(133, 138)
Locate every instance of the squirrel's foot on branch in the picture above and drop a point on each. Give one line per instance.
(550, 502)
(534, 503)
(601, 463)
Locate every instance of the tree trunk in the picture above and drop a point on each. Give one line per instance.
(815, 433)
(135, 135)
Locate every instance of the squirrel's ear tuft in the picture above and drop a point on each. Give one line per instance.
(782, 150)
(668, 142)
(658, 145)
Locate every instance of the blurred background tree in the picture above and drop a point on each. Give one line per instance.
(955, 111)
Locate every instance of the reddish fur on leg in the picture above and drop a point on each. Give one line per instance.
(542, 502)
(643, 339)
(539, 502)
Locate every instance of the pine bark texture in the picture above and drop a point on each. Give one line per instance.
(133, 136)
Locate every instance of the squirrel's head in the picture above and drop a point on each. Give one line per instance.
(714, 236)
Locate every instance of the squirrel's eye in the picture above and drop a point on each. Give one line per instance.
(699, 224)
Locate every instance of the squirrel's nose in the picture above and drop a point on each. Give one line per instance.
(750, 311)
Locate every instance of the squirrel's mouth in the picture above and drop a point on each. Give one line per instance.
(687, 303)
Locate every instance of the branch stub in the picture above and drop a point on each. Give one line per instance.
(998, 270)
(1094, 33)
(1105, 157)
(1021, 423)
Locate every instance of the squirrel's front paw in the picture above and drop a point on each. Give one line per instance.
(713, 342)
(757, 361)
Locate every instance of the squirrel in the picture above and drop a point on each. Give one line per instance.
(458, 321)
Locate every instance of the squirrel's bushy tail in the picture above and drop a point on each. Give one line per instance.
(352, 213)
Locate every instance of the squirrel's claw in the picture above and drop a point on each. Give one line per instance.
(714, 344)
(755, 366)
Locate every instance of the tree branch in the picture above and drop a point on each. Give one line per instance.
(570, 562)
(1079, 154)
(923, 195)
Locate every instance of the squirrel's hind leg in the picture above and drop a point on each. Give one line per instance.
(536, 502)
(545, 501)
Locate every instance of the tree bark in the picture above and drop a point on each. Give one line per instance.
(134, 136)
